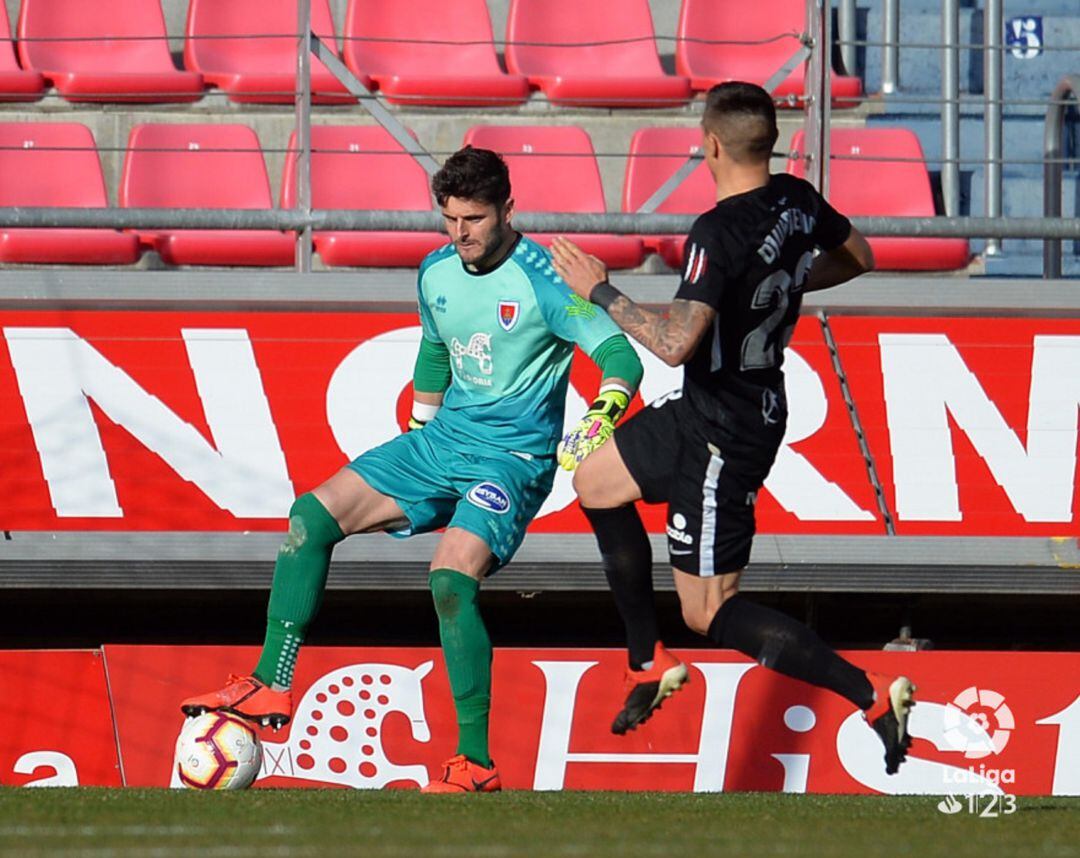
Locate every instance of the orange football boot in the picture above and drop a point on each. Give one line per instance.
(460, 775)
(247, 697)
(888, 715)
(647, 689)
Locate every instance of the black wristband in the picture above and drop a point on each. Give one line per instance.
(604, 294)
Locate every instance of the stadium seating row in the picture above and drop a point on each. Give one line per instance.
(553, 168)
(429, 52)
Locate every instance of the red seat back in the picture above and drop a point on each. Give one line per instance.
(194, 166)
(419, 24)
(7, 49)
(900, 188)
(702, 22)
(562, 25)
(358, 167)
(655, 155)
(552, 168)
(244, 18)
(50, 164)
(97, 27)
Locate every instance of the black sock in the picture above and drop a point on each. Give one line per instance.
(787, 646)
(627, 558)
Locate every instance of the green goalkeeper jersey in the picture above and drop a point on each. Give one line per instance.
(510, 333)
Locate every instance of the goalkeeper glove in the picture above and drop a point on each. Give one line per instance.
(594, 429)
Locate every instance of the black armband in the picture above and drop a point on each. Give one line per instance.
(604, 294)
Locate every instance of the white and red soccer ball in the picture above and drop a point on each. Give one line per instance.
(217, 750)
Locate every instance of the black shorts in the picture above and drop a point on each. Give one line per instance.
(708, 469)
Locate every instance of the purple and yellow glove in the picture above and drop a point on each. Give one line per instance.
(594, 428)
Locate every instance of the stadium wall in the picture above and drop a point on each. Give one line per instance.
(987, 723)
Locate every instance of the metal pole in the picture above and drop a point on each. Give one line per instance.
(992, 88)
(890, 60)
(303, 133)
(817, 151)
(950, 116)
(824, 88)
(1067, 88)
(845, 23)
(365, 220)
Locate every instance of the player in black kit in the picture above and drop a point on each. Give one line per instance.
(706, 450)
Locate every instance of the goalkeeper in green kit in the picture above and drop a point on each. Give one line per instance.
(499, 329)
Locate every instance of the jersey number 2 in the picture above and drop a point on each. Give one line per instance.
(764, 346)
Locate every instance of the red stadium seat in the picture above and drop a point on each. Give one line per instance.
(422, 68)
(656, 154)
(899, 189)
(56, 164)
(625, 72)
(202, 167)
(16, 84)
(553, 169)
(259, 69)
(362, 166)
(702, 23)
(96, 58)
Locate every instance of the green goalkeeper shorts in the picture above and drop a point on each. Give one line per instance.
(441, 481)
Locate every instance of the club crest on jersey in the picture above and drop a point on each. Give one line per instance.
(509, 313)
(489, 496)
(696, 262)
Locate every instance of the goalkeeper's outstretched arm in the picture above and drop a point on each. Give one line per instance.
(621, 373)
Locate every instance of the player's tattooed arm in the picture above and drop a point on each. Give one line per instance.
(671, 337)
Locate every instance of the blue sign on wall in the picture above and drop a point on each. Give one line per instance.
(1024, 36)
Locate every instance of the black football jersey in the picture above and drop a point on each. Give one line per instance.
(748, 258)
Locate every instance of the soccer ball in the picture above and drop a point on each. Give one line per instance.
(217, 750)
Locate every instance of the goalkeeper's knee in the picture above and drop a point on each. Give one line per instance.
(311, 526)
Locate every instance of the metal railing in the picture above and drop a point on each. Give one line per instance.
(1068, 88)
(813, 45)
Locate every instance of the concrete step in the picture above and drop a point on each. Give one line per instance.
(1013, 262)
(1022, 194)
(1022, 137)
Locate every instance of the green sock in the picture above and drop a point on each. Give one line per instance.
(467, 650)
(299, 582)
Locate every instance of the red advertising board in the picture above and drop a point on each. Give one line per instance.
(972, 422)
(379, 717)
(215, 421)
(57, 728)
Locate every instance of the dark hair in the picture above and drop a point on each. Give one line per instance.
(473, 174)
(743, 118)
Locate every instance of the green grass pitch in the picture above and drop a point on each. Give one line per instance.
(324, 823)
